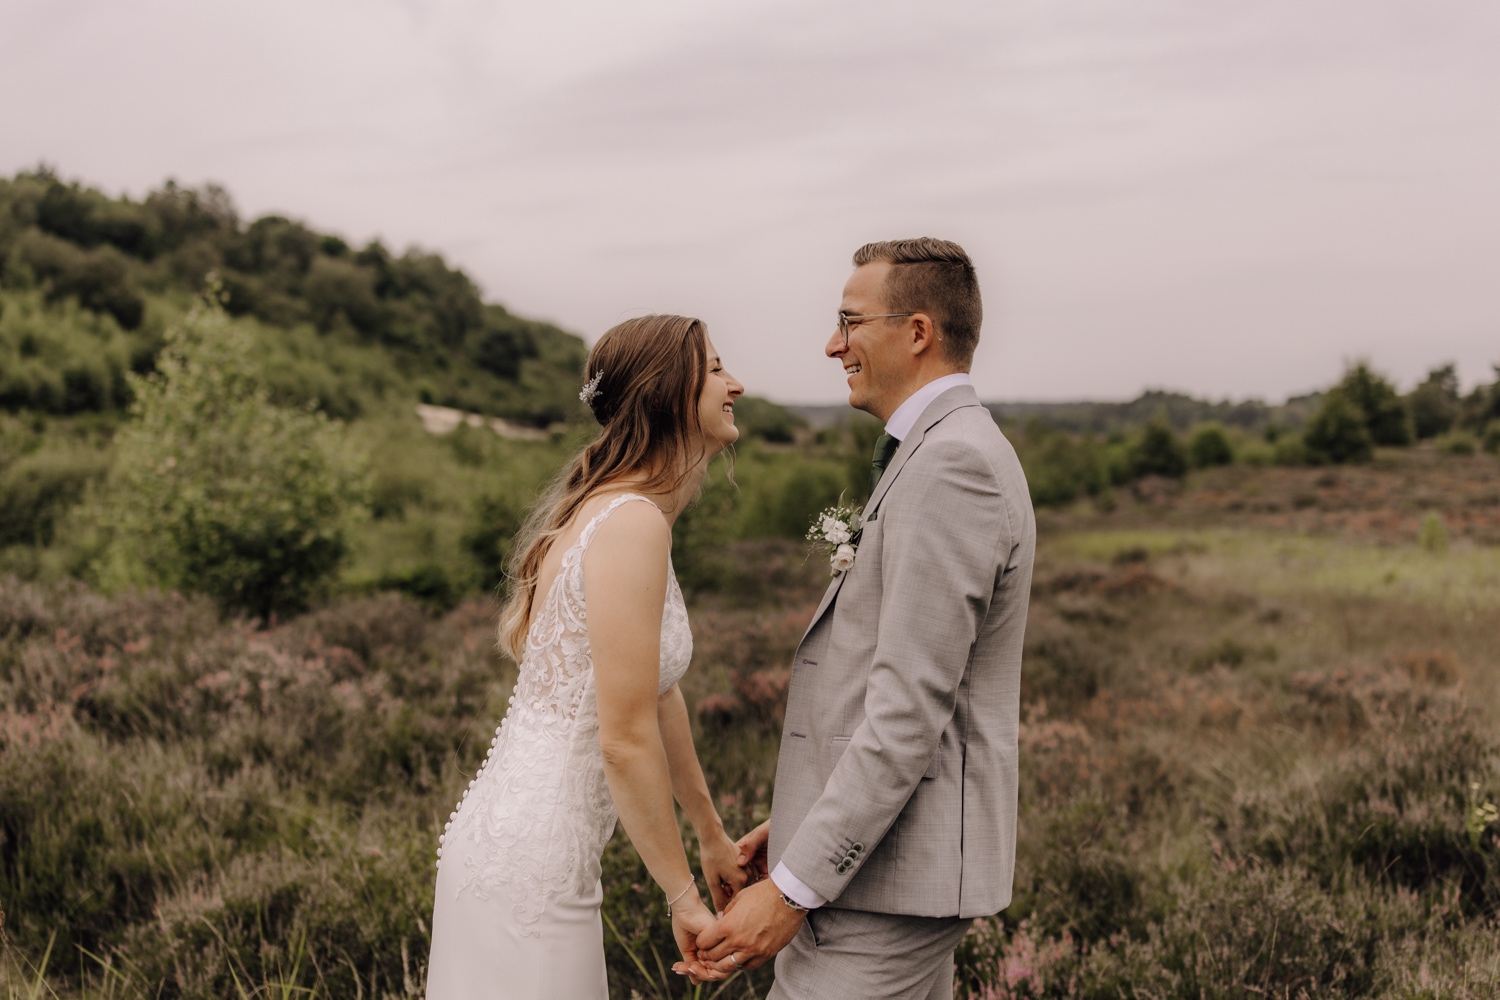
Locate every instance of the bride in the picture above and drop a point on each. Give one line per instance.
(597, 725)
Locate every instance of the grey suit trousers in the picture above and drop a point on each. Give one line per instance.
(856, 955)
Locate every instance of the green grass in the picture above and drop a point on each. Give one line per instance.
(1277, 563)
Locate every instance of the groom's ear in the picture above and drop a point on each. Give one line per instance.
(922, 332)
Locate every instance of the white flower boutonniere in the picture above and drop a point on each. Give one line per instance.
(835, 529)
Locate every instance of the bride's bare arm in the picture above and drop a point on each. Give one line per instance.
(719, 854)
(625, 581)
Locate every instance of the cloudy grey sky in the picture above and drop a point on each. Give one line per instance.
(1226, 198)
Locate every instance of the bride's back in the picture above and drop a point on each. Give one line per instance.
(563, 542)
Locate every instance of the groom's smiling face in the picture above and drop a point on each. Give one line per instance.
(877, 358)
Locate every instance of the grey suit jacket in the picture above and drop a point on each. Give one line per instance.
(896, 786)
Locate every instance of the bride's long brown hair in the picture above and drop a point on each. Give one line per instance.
(650, 373)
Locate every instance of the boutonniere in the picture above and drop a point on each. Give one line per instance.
(837, 530)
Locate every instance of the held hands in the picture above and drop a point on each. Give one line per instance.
(722, 869)
(728, 867)
(754, 848)
(756, 924)
(689, 919)
(754, 927)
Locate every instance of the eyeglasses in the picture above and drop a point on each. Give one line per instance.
(846, 320)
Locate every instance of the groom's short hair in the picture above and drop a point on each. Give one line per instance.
(935, 277)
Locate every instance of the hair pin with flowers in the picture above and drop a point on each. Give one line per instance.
(591, 389)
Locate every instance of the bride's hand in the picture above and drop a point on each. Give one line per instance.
(689, 918)
(753, 849)
(720, 858)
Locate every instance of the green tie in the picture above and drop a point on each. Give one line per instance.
(885, 447)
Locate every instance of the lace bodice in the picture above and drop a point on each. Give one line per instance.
(537, 815)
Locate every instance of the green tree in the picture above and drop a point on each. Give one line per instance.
(1434, 403)
(217, 490)
(1060, 466)
(1338, 432)
(1481, 406)
(496, 519)
(99, 278)
(1158, 452)
(1210, 446)
(1491, 439)
(1383, 409)
(764, 419)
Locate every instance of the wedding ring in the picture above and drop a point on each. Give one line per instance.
(735, 960)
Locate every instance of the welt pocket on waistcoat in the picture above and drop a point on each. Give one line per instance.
(840, 741)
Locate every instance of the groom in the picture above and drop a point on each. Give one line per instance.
(894, 821)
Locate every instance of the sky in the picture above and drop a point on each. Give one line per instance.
(1227, 199)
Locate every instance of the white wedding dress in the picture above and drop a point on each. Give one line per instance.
(518, 893)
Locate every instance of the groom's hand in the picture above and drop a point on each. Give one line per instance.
(754, 928)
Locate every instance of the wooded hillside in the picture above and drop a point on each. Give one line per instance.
(90, 283)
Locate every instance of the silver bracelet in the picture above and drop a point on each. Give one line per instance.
(684, 892)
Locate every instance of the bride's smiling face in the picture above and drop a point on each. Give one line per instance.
(716, 405)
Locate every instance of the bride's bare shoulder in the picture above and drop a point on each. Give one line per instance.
(629, 555)
(634, 529)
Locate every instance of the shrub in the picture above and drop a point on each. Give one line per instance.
(197, 802)
(500, 353)
(1258, 454)
(763, 419)
(88, 218)
(219, 491)
(342, 292)
(1210, 446)
(99, 279)
(1060, 467)
(1290, 449)
(702, 560)
(858, 436)
(1432, 534)
(1383, 409)
(1457, 443)
(429, 583)
(1063, 667)
(1338, 432)
(1157, 452)
(65, 359)
(38, 489)
(781, 498)
(1491, 439)
(1393, 807)
(494, 525)
(1434, 403)
(1087, 885)
(1482, 405)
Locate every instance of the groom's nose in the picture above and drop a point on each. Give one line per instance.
(835, 346)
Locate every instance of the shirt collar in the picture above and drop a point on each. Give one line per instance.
(905, 417)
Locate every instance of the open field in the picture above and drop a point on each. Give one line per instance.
(1257, 753)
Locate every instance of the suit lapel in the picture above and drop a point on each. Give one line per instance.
(828, 596)
(953, 399)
